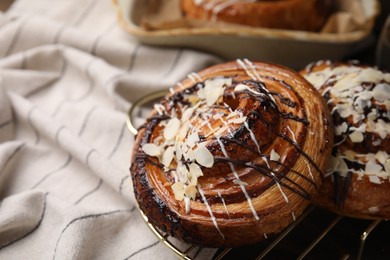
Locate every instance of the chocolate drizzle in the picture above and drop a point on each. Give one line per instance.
(264, 99)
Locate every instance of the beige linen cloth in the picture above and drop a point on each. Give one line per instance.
(68, 74)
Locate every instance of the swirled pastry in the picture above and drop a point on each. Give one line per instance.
(358, 96)
(307, 15)
(232, 155)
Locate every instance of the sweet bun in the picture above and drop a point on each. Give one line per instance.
(357, 183)
(232, 155)
(308, 15)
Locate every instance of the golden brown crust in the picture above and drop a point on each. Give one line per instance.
(358, 182)
(294, 137)
(308, 15)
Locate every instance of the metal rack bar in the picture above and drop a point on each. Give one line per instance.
(320, 237)
(222, 254)
(140, 102)
(364, 237)
(285, 233)
(164, 238)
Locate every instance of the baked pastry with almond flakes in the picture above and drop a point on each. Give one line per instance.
(232, 155)
(358, 179)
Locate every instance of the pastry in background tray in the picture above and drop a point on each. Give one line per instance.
(232, 155)
(308, 15)
(358, 180)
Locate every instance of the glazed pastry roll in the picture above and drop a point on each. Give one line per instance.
(308, 15)
(232, 155)
(357, 182)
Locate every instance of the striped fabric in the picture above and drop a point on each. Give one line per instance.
(68, 74)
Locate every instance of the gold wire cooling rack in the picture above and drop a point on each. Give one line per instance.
(316, 234)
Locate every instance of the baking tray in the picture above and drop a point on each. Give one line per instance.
(295, 49)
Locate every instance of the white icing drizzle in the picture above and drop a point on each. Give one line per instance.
(293, 215)
(292, 134)
(159, 108)
(238, 179)
(191, 77)
(187, 202)
(180, 85)
(309, 169)
(224, 204)
(242, 64)
(196, 76)
(250, 64)
(280, 189)
(226, 125)
(217, 6)
(213, 219)
(233, 169)
(253, 137)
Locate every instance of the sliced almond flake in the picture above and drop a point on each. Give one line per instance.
(151, 149)
(381, 156)
(377, 142)
(171, 128)
(183, 131)
(274, 156)
(373, 168)
(239, 120)
(361, 128)
(344, 111)
(339, 130)
(381, 92)
(187, 202)
(158, 140)
(182, 172)
(356, 137)
(189, 155)
(372, 115)
(239, 182)
(382, 128)
(168, 156)
(191, 191)
(232, 114)
(387, 166)
(342, 167)
(203, 156)
(214, 88)
(193, 180)
(178, 190)
(374, 179)
(192, 139)
(178, 151)
(187, 114)
(195, 170)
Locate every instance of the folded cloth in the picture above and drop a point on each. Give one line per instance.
(68, 75)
